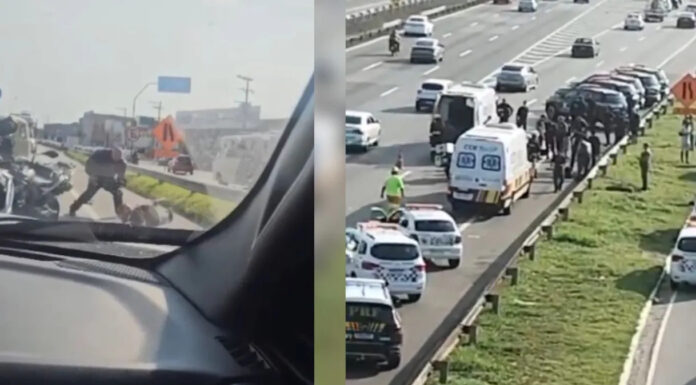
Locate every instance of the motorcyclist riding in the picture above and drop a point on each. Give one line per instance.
(106, 169)
(394, 42)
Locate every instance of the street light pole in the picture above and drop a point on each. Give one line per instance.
(135, 98)
(245, 106)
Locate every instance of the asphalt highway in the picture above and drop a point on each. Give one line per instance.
(478, 42)
(200, 176)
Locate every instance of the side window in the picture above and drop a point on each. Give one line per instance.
(466, 160)
(362, 248)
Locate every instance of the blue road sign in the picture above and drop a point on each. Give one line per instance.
(174, 84)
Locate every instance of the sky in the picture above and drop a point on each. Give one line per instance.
(62, 58)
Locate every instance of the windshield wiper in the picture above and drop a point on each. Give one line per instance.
(18, 227)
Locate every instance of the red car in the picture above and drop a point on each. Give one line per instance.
(181, 164)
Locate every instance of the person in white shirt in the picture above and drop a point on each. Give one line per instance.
(686, 134)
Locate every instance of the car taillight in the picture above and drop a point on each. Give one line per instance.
(369, 266)
(420, 268)
(398, 336)
(677, 258)
(457, 240)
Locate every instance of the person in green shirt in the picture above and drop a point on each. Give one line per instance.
(394, 188)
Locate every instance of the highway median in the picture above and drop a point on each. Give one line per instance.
(202, 209)
(572, 312)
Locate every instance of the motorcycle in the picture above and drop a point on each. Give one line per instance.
(32, 189)
(394, 47)
(443, 156)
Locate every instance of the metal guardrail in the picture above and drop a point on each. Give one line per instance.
(221, 192)
(461, 321)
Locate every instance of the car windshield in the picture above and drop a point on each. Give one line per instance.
(365, 312)
(613, 98)
(691, 7)
(157, 80)
(416, 20)
(511, 68)
(425, 43)
(352, 119)
(432, 86)
(434, 226)
(686, 15)
(395, 251)
(583, 41)
(687, 244)
(649, 80)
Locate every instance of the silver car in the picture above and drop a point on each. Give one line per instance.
(517, 77)
(427, 50)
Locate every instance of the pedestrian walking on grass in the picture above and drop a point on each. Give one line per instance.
(645, 165)
(686, 134)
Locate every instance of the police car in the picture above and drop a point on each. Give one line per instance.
(382, 251)
(373, 326)
(430, 225)
(682, 263)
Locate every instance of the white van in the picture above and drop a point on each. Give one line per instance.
(462, 107)
(490, 167)
(24, 143)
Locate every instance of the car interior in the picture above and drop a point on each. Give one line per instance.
(232, 305)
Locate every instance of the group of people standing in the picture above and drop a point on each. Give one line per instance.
(572, 139)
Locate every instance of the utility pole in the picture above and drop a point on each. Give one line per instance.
(158, 107)
(245, 103)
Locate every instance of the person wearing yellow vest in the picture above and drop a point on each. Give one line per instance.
(394, 188)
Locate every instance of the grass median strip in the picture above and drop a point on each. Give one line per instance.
(571, 318)
(202, 209)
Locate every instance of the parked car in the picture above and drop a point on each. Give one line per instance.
(182, 164)
(605, 100)
(427, 50)
(653, 88)
(418, 25)
(581, 1)
(527, 5)
(517, 76)
(585, 47)
(634, 22)
(628, 91)
(686, 20)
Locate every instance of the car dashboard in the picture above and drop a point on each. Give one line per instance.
(91, 322)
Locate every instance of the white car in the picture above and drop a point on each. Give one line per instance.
(429, 91)
(418, 25)
(362, 130)
(435, 230)
(634, 21)
(527, 6)
(691, 8)
(682, 260)
(384, 252)
(427, 50)
(521, 77)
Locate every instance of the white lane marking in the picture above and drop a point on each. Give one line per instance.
(373, 65)
(557, 30)
(641, 38)
(677, 52)
(570, 79)
(642, 321)
(529, 103)
(448, 34)
(474, 24)
(492, 38)
(428, 72)
(658, 341)
(466, 224)
(514, 27)
(387, 92)
(468, 51)
(622, 49)
(600, 63)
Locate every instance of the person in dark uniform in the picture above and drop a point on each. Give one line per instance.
(591, 110)
(634, 125)
(608, 123)
(106, 170)
(558, 177)
(578, 108)
(522, 114)
(620, 128)
(595, 146)
(579, 124)
(576, 137)
(550, 139)
(645, 161)
(541, 129)
(584, 155)
(562, 136)
(504, 111)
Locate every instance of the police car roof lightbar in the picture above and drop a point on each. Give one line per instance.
(377, 225)
(423, 206)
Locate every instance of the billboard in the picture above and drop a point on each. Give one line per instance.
(180, 85)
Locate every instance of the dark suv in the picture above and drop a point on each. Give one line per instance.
(653, 87)
(628, 91)
(605, 100)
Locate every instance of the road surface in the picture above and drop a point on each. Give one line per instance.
(478, 41)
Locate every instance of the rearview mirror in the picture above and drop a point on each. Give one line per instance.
(50, 154)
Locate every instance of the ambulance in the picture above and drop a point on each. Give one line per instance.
(490, 167)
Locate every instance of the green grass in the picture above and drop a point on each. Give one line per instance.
(202, 209)
(571, 318)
